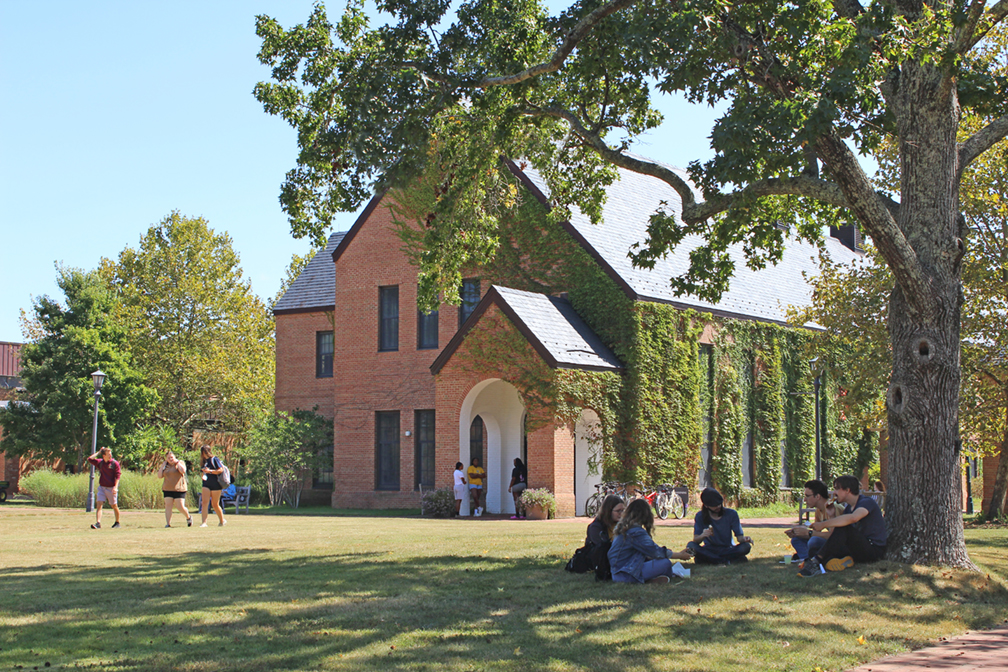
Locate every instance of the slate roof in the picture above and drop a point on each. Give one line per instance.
(549, 324)
(315, 288)
(762, 295)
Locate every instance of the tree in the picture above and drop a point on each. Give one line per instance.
(282, 448)
(200, 335)
(810, 84)
(52, 419)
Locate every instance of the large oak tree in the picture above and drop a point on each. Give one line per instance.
(810, 85)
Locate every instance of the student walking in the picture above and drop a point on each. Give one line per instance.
(174, 487)
(212, 467)
(108, 484)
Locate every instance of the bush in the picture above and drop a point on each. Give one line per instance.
(438, 503)
(69, 491)
(539, 497)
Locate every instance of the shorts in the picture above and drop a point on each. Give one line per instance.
(475, 487)
(171, 494)
(108, 495)
(460, 491)
(518, 488)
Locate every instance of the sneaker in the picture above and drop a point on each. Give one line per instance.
(95, 526)
(115, 525)
(658, 579)
(839, 564)
(222, 523)
(514, 517)
(203, 525)
(189, 521)
(167, 525)
(810, 568)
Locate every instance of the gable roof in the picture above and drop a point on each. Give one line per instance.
(549, 324)
(631, 200)
(315, 288)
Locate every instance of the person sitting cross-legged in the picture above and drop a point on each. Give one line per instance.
(857, 535)
(804, 539)
(713, 527)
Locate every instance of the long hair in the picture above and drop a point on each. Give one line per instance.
(637, 514)
(709, 499)
(604, 514)
(206, 452)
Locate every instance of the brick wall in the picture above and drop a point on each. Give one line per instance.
(296, 384)
(367, 380)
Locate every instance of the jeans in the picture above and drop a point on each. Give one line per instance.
(653, 568)
(847, 540)
(806, 547)
(719, 555)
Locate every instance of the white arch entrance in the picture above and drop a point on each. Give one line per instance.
(587, 459)
(500, 407)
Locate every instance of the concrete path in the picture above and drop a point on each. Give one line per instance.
(985, 650)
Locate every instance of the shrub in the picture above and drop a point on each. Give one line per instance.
(438, 503)
(539, 497)
(69, 491)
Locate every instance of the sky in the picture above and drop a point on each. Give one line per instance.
(115, 114)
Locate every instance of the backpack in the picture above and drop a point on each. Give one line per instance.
(224, 478)
(600, 559)
(581, 563)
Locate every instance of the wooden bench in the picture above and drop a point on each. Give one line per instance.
(242, 494)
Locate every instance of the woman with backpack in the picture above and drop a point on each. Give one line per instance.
(212, 468)
(634, 557)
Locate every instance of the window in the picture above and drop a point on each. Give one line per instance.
(476, 439)
(423, 430)
(747, 462)
(387, 450)
(322, 479)
(427, 330)
(323, 354)
(470, 296)
(388, 318)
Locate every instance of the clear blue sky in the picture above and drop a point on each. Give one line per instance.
(116, 113)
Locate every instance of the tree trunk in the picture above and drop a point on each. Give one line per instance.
(996, 507)
(924, 498)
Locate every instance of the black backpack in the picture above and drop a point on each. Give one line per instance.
(581, 563)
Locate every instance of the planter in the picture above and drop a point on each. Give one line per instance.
(536, 512)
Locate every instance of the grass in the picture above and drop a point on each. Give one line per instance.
(274, 592)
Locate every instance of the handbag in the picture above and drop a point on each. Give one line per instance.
(581, 563)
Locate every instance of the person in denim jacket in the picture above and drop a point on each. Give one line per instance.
(634, 556)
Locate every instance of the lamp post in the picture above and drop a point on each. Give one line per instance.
(99, 379)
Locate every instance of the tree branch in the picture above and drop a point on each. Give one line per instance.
(576, 34)
(982, 140)
(969, 38)
(877, 220)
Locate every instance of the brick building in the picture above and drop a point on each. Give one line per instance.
(408, 394)
(10, 370)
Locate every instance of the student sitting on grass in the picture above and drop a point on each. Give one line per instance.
(805, 541)
(713, 527)
(857, 535)
(634, 557)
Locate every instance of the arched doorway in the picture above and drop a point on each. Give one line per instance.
(499, 408)
(587, 458)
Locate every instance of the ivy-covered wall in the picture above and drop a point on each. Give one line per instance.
(754, 384)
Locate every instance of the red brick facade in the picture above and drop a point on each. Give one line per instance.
(296, 384)
(990, 467)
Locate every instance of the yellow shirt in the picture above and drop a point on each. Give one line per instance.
(476, 475)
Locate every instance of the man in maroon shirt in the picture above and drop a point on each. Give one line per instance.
(108, 484)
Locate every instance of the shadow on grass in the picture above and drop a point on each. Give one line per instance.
(252, 610)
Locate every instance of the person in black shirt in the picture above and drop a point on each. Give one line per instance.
(857, 535)
(519, 480)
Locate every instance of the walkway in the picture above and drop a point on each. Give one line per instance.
(985, 650)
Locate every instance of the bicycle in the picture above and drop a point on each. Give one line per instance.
(658, 498)
(602, 490)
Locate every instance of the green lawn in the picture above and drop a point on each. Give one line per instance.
(273, 592)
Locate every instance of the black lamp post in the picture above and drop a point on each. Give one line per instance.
(99, 379)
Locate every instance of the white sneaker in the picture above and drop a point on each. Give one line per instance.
(479, 511)
(222, 523)
(203, 525)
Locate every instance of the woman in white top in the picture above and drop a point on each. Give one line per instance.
(460, 486)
